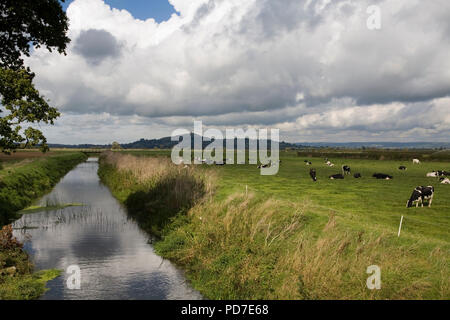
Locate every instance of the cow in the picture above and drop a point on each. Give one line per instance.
(313, 174)
(403, 168)
(346, 170)
(337, 176)
(442, 173)
(357, 175)
(419, 195)
(308, 163)
(416, 161)
(382, 176)
(445, 180)
(433, 174)
(328, 163)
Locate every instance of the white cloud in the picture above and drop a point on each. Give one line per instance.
(249, 63)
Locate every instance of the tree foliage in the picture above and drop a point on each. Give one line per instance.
(115, 146)
(26, 24)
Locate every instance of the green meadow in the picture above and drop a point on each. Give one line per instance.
(376, 204)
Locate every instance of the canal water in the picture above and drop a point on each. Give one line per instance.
(114, 255)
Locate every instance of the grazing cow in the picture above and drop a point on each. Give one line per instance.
(357, 175)
(346, 170)
(337, 176)
(313, 174)
(382, 176)
(419, 195)
(416, 161)
(402, 168)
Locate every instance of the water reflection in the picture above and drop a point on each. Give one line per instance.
(115, 258)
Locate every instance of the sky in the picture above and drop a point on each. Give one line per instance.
(160, 10)
(313, 69)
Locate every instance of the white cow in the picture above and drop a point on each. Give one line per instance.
(433, 174)
(446, 181)
(416, 161)
(328, 163)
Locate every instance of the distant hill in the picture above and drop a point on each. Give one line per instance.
(163, 143)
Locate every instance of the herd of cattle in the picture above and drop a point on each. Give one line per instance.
(418, 196)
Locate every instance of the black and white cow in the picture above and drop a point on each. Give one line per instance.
(420, 195)
(357, 175)
(445, 180)
(313, 174)
(403, 168)
(337, 176)
(382, 176)
(308, 163)
(442, 173)
(346, 170)
(433, 174)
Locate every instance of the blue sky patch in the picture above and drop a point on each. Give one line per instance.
(160, 10)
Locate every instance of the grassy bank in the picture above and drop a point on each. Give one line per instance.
(153, 190)
(17, 280)
(288, 238)
(23, 182)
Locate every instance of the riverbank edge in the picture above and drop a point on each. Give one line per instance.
(18, 189)
(123, 185)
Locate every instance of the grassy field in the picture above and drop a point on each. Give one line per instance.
(287, 237)
(377, 204)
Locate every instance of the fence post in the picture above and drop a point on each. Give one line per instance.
(400, 227)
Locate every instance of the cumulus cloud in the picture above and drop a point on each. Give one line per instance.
(312, 68)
